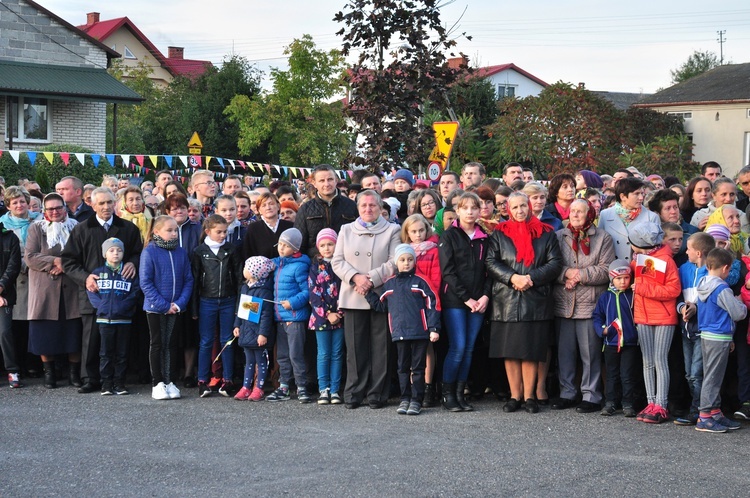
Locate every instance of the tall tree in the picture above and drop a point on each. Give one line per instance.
(698, 63)
(296, 121)
(402, 47)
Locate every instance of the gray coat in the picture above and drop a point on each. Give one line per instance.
(45, 290)
(580, 302)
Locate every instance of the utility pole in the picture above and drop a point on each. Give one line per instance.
(721, 41)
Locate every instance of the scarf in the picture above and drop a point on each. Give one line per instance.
(581, 238)
(169, 245)
(20, 226)
(57, 231)
(563, 211)
(421, 248)
(627, 215)
(213, 245)
(522, 233)
(368, 224)
(142, 221)
(736, 240)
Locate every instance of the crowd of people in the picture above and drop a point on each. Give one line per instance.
(625, 293)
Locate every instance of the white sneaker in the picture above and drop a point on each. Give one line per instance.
(159, 391)
(172, 391)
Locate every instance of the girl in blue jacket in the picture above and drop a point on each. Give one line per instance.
(166, 282)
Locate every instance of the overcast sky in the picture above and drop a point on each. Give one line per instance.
(614, 46)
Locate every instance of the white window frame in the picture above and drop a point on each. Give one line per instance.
(683, 115)
(128, 54)
(747, 149)
(19, 127)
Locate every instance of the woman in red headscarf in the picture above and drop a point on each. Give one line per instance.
(524, 261)
(587, 252)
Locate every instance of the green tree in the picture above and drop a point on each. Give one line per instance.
(698, 63)
(665, 155)
(401, 65)
(564, 128)
(296, 121)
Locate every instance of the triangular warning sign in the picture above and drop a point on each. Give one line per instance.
(195, 140)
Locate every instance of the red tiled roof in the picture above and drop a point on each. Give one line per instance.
(177, 67)
(486, 72)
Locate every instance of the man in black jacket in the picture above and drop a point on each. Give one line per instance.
(81, 255)
(328, 209)
(70, 189)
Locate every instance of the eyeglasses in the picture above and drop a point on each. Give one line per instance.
(56, 208)
(153, 205)
(427, 204)
(209, 183)
(502, 204)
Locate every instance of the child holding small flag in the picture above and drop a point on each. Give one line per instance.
(613, 322)
(657, 286)
(256, 332)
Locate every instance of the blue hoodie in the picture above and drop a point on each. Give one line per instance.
(718, 309)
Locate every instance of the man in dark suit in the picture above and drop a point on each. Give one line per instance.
(81, 255)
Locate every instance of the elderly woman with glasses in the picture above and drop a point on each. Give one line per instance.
(54, 316)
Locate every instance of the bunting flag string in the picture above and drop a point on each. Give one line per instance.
(182, 170)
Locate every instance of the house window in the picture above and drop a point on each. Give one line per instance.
(683, 115)
(128, 54)
(28, 119)
(506, 91)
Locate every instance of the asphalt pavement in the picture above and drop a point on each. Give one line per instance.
(60, 443)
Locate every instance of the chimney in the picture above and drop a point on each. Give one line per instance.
(175, 52)
(92, 18)
(457, 62)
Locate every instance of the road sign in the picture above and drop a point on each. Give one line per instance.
(445, 136)
(195, 141)
(434, 170)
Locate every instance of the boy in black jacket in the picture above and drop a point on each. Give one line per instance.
(413, 320)
(115, 304)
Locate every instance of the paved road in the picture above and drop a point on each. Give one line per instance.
(60, 443)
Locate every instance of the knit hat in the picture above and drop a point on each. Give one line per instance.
(645, 235)
(403, 249)
(112, 242)
(618, 268)
(406, 175)
(291, 237)
(326, 234)
(289, 205)
(718, 232)
(592, 179)
(651, 178)
(259, 267)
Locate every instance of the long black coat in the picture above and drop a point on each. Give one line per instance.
(510, 305)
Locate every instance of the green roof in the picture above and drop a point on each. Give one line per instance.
(63, 83)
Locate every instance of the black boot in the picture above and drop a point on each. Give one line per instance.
(49, 375)
(460, 386)
(449, 398)
(429, 396)
(74, 374)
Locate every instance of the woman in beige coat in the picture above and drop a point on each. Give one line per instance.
(587, 252)
(363, 260)
(54, 317)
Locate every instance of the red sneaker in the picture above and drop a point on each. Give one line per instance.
(646, 411)
(257, 394)
(243, 394)
(214, 383)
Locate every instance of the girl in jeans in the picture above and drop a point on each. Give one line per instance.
(464, 295)
(216, 269)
